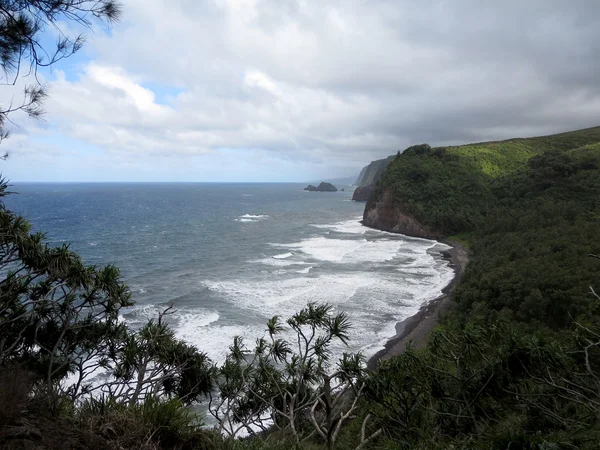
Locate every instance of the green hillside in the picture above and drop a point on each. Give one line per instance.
(505, 157)
(516, 362)
(450, 189)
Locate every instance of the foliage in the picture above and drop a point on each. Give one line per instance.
(151, 424)
(489, 386)
(516, 363)
(291, 384)
(452, 189)
(152, 363)
(56, 314)
(62, 345)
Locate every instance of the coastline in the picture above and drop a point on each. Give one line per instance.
(416, 329)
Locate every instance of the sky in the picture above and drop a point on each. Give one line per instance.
(295, 90)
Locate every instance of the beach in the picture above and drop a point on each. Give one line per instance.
(416, 329)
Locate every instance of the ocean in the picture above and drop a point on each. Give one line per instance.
(230, 256)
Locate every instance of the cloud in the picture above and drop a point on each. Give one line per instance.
(321, 88)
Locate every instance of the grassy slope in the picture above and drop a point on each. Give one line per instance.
(500, 158)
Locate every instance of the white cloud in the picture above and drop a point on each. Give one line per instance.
(327, 85)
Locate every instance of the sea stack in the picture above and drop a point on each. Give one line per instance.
(323, 187)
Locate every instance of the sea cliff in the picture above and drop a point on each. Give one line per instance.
(371, 173)
(362, 193)
(368, 178)
(382, 213)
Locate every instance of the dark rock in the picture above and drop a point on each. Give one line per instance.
(383, 213)
(362, 194)
(323, 187)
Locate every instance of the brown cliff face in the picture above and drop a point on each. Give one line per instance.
(362, 193)
(381, 213)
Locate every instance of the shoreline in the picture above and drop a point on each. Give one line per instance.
(416, 329)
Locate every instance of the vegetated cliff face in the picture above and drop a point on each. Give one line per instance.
(438, 192)
(381, 213)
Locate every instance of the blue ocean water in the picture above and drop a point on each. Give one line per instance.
(230, 256)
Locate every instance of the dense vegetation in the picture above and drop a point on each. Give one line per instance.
(453, 189)
(517, 362)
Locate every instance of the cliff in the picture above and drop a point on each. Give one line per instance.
(368, 178)
(361, 176)
(370, 174)
(383, 214)
(438, 192)
(362, 193)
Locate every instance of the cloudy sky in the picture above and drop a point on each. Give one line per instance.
(295, 90)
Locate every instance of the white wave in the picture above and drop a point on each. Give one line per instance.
(352, 226)
(279, 262)
(283, 255)
(138, 315)
(353, 251)
(215, 340)
(249, 218)
(325, 249)
(375, 298)
(291, 294)
(377, 278)
(186, 319)
(254, 216)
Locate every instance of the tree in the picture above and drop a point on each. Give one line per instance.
(58, 316)
(25, 25)
(291, 385)
(56, 313)
(59, 319)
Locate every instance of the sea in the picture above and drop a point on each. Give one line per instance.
(230, 256)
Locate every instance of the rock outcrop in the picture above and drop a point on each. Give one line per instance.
(323, 187)
(383, 214)
(362, 194)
